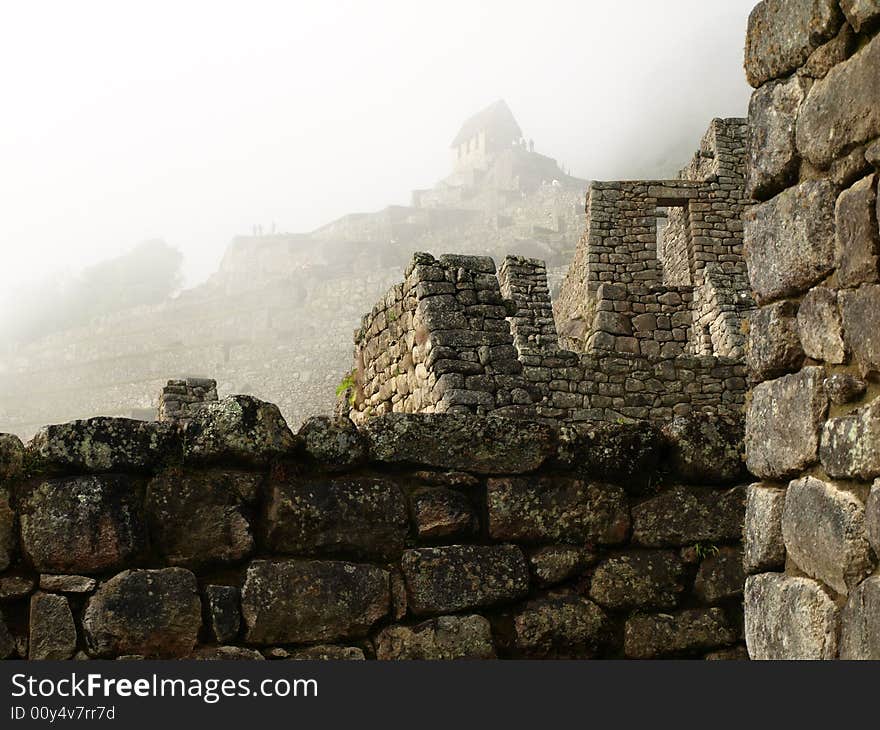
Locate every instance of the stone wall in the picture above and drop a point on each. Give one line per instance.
(418, 536)
(179, 397)
(812, 533)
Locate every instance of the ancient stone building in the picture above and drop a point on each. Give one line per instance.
(812, 531)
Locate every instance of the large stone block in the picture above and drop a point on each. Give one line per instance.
(850, 447)
(558, 626)
(638, 579)
(445, 637)
(789, 618)
(362, 516)
(860, 12)
(463, 577)
(153, 613)
(556, 509)
(557, 563)
(860, 309)
(624, 453)
(335, 444)
(857, 239)
(103, 444)
(221, 531)
(773, 159)
(443, 513)
(237, 429)
(687, 515)
(774, 347)
(705, 449)
(789, 240)
(860, 622)
(11, 456)
(300, 601)
(843, 109)
(453, 441)
(52, 633)
(88, 524)
(763, 544)
(824, 532)
(783, 33)
(650, 636)
(820, 328)
(720, 576)
(783, 423)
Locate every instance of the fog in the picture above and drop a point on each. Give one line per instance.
(193, 122)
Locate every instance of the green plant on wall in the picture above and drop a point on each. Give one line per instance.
(705, 550)
(345, 384)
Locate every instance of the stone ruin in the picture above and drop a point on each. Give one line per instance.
(650, 316)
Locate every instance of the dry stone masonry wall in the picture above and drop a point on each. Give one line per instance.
(812, 532)
(435, 536)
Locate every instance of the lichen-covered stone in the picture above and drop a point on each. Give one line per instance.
(67, 583)
(155, 613)
(557, 626)
(789, 240)
(51, 633)
(11, 456)
(224, 615)
(454, 441)
(860, 12)
(103, 444)
(296, 601)
(16, 586)
(689, 631)
(843, 388)
(763, 544)
(687, 515)
(850, 447)
(789, 618)
(557, 509)
(860, 309)
(237, 429)
(555, 564)
(334, 443)
(857, 240)
(706, 449)
(639, 579)
(327, 652)
(7, 642)
(362, 516)
(773, 347)
(773, 158)
(8, 530)
(443, 513)
(783, 423)
(199, 517)
(860, 622)
(782, 34)
(720, 576)
(88, 524)
(463, 577)
(843, 109)
(626, 453)
(225, 653)
(445, 637)
(824, 532)
(819, 326)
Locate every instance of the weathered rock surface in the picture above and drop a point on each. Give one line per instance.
(361, 516)
(328, 652)
(844, 388)
(774, 347)
(8, 530)
(295, 601)
(860, 622)
(789, 618)
(443, 513)
(860, 12)
(720, 576)
(7, 642)
(104, 444)
(199, 517)
(224, 616)
(463, 577)
(643, 579)
(872, 517)
(783, 423)
(850, 447)
(237, 429)
(334, 443)
(624, 453)
(557, 563)
(860, 309)
(445, 637)
(557, 509)
(843, 109)
(734, 654)
(857, 240)
(67, 583)
(559, 626)
(453, 441)
(825, 534)
(783, 33)
(87, 524)
(11, 456)
(789, 240)
(687, 515)
(52, 633)
(693, 630)
(13, 587)
(820, 328)
(706, 449)
(763, 544)
(773, 158)
(155, 613)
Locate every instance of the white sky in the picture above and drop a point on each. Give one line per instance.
(192, 121)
